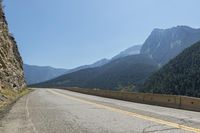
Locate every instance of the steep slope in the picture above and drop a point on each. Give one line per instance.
(96, 64)
(99, 63)
(37, 74)
(163, 45)
(129, 51)
(181, 76)
(124, 72)
(127, 71)
(11, 68)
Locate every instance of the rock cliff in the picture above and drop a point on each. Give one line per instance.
(11, 65)
(165, 44)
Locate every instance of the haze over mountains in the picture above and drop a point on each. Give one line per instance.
(162, 45)
(129, 71)
(96, 64)
(37, 74)
(129, 51)
(47, 73)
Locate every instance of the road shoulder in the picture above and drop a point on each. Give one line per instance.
(9, 98)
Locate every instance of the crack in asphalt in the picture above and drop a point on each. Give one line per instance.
(160, 130)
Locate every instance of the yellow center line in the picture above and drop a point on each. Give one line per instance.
(148, 118)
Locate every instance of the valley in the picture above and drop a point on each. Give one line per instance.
(99, 66)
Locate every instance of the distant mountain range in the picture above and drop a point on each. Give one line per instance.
(164, 44)
(181, 76)
(37, 74)
(96, 64)
(130, 51)
(128, 71)
(47, 73)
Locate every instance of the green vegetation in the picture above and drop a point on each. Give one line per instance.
(181, 76)
(124, 72)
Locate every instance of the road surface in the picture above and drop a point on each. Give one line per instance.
(61, 111)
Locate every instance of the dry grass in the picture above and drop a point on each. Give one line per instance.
(7, 96)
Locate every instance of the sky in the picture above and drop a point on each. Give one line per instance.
(70, 33)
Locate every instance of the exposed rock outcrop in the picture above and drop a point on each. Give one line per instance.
(11, 64)
(165, 44)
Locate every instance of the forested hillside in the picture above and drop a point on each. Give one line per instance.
(124, 72)
(181, 76)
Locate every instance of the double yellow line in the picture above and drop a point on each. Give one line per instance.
(132, 114)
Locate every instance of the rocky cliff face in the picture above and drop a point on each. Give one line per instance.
(165, 44)
(134, 50)
(11, 65)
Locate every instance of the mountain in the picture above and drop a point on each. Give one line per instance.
(126, 71)
(11, 70)
(165, 44)
(37, 74)
(130, 51)
(96, 64)
(99, 63)
(181, 76)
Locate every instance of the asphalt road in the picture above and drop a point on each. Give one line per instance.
(61, 111)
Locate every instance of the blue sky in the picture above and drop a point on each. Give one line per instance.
(70, 33)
